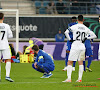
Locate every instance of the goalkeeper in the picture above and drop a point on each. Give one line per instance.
(43, 63)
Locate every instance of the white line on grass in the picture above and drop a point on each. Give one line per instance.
(40, 82)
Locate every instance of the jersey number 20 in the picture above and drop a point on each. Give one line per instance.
(80, 35)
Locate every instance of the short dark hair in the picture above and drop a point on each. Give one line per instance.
(1, 15)
(86, 24)
(80, 17)
(35, 47)
(74, 17)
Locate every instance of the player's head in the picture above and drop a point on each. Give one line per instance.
(74, 19)
(86, 24)
(59, 31)
(35, 48)
(1, 16)
(80, 18)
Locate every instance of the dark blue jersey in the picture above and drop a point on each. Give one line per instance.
(43, 57)
(70, 33)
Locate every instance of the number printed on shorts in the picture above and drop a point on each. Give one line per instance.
(2, 34)
(80, 35)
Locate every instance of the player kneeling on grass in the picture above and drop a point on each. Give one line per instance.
(43, 63)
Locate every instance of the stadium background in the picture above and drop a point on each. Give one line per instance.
(31, 14)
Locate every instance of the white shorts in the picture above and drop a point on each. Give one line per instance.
(77, 52)
(5, 53)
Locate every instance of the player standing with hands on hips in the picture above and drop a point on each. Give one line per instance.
(77, 52)
(5, 33)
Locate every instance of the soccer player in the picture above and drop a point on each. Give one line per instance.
(43, 63)
(74, 19)
(88, 51)
(77, 52)
(5, 33)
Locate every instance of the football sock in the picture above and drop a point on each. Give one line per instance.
(80, 72)
(84, 65)
(69, 72)
(74, 63)
(8, 67)
(66, 60)
(89, 61)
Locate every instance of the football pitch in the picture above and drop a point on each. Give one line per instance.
(26, 78)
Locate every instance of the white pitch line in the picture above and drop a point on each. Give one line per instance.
(42, 82)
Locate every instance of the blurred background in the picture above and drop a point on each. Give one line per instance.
(44, 18)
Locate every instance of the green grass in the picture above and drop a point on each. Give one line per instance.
(26, 78)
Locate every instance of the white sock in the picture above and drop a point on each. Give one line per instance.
(8, 67)
(69, 72)
(80, 72)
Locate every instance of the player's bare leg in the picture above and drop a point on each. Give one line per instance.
(80, 71)
(8, 68)
(69, 71)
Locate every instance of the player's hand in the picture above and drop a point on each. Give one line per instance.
(35, 64)
(84, 40)
(71, 40)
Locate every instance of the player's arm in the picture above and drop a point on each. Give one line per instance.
(41, 59)
(9, 34)
(67, 34)
(92, 35)
(36, 61)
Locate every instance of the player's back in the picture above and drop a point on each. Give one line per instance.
(46, 56)
(80, 31)
(5, 32)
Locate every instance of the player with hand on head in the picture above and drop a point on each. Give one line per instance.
(77, 52)
(43, 63)
(5, 33)
(69, 43)
(88, 51)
